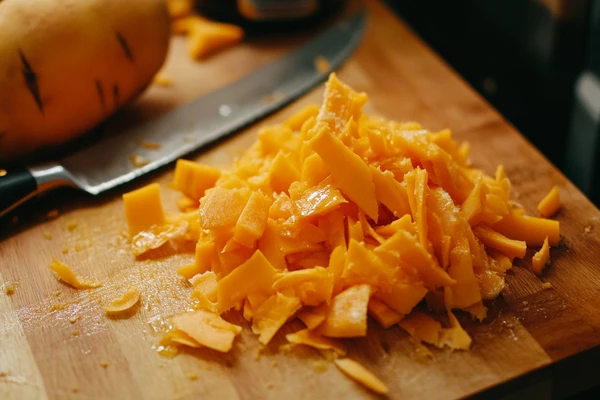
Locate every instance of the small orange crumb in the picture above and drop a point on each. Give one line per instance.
(270, 385)
(162, 80)
(320, 366)
(64, 250)
(546, 285)
(192, 377)
(541, 258)
(150, 145)
(76, 332)
(74, 318)
(357, 372)
(56, 293)
(275, 96)
(550, 203)
(47, 235)
(104, 364)
(10, 288)
(422, 353)
(74, 389)
(285, 348)
(137, 160)
(322, 65)
(52, 213)
(71, 225)
(58, 307)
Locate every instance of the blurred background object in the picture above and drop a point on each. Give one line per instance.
(533, 60)
(266, 16)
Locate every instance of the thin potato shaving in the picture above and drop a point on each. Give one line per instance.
(357, 372)
(66, 274)
(125, 303)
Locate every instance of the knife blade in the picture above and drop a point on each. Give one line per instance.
(190, 126)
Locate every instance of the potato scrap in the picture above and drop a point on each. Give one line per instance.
(541, 258)
(309, 338)
(125, 303)
(550, 204)
(335, 215)
(66, 274)
(206, 37)
(322, 65)
(357, 372)
(207, 329)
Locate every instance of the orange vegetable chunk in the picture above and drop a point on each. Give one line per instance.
(383, 314)
(143, 209)
(312, 339)
(282, 173)
(422, 327)
(221, 208)
(313, 170)
(253, 220)
(340, 104)
(405, 248)
(416, 183)
(400, 296)
(208, 329)
(465, 292)
(255, 275)
(272, 314)
(532, 230)
(346, 316)
(296, 121)
(270, 245)
(319, 200)
(455, 337)
(192, 178)
(390, 192)
(348, 171)
(495, 240)
(541, 258)
(66, 274)
(361, 375)
(550, 204)
(364, 266)
(312, 317)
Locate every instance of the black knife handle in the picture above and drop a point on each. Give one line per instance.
(16, 186)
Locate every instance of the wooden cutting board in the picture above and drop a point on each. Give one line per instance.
(56, 343)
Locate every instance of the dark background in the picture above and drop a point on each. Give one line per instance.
(532, 60)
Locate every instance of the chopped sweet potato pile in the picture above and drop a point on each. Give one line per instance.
(335, 215)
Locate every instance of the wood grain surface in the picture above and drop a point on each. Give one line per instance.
(54, 339)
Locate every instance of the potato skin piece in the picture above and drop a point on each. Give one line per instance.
(67, 65)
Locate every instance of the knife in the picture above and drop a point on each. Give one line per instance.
(190, 126)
